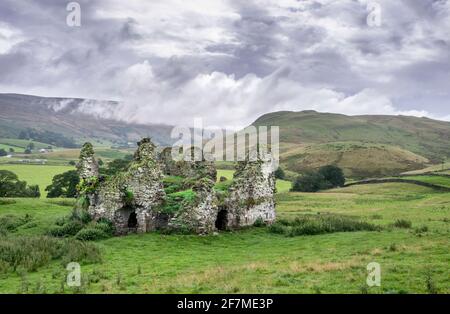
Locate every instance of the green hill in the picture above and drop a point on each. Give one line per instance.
(362, 145)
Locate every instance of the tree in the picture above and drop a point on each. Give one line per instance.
(115, 166)
(72, 163)
(3, 152)
(27, 151)
(279, 174)
(100, 162)
(31, 146)
(333, 175)
(326, 177)
(64, 185)
(11, 186)
(309, 182)
(11, 150)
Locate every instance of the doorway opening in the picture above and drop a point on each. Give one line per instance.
(132, 221)
(222, 220)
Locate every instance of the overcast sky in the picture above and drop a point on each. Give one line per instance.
(231, 61)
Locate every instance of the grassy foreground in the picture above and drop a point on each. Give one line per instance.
(413, 260)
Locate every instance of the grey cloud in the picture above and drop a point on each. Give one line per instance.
(323, 48)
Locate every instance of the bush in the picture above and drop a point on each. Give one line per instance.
(402, 223)
(10, 223)
(259, 222)
(320, 224)
(70, 228)
(80, 214)
(91, 234)
(80, 225)
(105, 225)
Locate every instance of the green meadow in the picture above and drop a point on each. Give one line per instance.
(41, 175)
(253, 260)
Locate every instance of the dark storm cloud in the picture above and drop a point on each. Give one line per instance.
(235, 59)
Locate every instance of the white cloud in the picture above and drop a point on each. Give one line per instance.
(9, 36)
(225, 100)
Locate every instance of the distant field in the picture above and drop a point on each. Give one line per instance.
(73, 154)
(37, 174)
(21, 144)
(7, 147)
(256, 261)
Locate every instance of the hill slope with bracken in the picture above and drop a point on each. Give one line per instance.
(362, 145)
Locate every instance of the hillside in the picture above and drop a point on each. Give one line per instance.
(356, 158)
(63, 116)
(362, 145)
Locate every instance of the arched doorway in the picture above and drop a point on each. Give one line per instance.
(222, 220)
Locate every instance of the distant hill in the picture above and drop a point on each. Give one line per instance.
(62, 116)
(362, 145)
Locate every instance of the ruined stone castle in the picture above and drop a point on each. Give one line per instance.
(157, 193)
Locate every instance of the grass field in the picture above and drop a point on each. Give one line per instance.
(37, 174)
(256, 261)
(443, 181)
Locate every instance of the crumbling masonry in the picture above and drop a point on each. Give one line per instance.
(157, 193)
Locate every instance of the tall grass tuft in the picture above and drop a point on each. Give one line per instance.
(30, 253)
(320, 224)
(403, 223)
